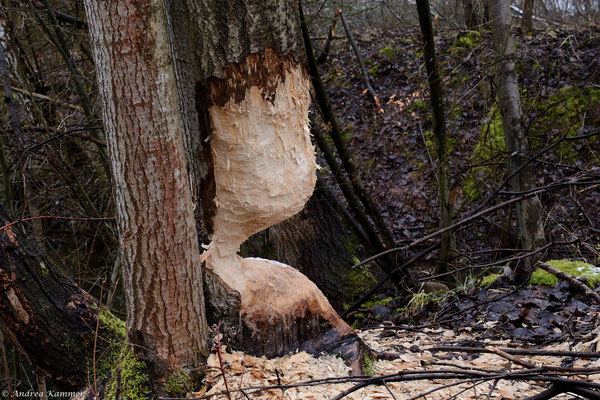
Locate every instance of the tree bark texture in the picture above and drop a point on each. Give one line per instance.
(439, 127)
(470, 14)
(145, 134)
(43, 314)
(527, 17)
(225, 81)
(529, 211)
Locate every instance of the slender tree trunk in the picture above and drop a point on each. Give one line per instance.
(486, 12)
(44, 315)
(439, 128)
(529, 211)
(159, 248)
(470, 14)
(330, 33)
(527, 17)
(361, 63)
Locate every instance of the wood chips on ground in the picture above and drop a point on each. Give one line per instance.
(248, 372)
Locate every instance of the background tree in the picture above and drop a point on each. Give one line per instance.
(529, 212)
(439, 128)
(527, 17)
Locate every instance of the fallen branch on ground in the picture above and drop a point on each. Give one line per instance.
(571, 280)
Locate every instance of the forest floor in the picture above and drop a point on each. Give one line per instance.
(559, 74)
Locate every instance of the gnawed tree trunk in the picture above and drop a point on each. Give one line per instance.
(316, 242)
(252, 98)
(249, 154)
(230, 87)
(46, 316)
(144, 127)
(529, 211)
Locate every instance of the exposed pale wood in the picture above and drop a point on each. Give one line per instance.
(264, 170)
(316, 243)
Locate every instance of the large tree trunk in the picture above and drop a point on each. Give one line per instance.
(252, 98)
(439, 128)
(159, 248)
(231, 89)
(44, 315)
(529, 211)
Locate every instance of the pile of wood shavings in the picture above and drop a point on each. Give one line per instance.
(246, 371)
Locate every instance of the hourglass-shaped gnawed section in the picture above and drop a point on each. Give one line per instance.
(264, 172)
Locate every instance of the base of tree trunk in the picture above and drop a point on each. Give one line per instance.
(279, 311)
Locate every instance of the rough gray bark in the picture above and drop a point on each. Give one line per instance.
(160, 255)
(43, 314)
(529, 211)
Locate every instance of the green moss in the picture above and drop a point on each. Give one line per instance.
(348, 131)
(420, 165)
(107, 362)
(388, 52)
(573, 268)
(376, 302)
(368, 366)
(374, 70)
(564, 110)
(178, 384)
(466, 41)
(44, 269)
(487, 281)
(491, 138)
(418, 105)
(357, 282)
(113, 323)
(455, 112)
(490, 143)
(134, 383)
(430, 142)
